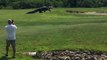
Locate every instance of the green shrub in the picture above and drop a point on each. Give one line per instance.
(23, 5)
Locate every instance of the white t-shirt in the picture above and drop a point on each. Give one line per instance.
(11, 32)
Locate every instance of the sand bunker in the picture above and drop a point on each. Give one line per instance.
(94, 13)
(87, 13)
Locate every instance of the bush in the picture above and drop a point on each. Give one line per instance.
(23, 5)
(2, 5)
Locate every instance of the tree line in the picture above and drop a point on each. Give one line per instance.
(25, 4)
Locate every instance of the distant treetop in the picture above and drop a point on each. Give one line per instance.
(25, 4)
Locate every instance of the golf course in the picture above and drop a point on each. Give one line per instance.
(55, 30)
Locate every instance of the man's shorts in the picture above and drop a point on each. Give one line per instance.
(11, 42)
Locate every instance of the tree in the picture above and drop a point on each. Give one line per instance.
(3, 3)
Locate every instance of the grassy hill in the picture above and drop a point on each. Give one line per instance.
(55, 30)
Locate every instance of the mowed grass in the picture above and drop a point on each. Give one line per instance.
(56, 30)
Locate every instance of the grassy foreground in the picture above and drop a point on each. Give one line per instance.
(55, 30)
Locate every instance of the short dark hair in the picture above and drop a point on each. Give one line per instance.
(10, 21)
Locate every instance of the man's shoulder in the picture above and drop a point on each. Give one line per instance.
(6, 26)
(14, 26)
(11, 26)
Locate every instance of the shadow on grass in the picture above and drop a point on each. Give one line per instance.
(5, 58)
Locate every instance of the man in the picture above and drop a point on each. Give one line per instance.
(11, 36)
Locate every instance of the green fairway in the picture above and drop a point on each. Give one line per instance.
(55, 30)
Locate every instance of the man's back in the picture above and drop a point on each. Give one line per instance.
(11, 32)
